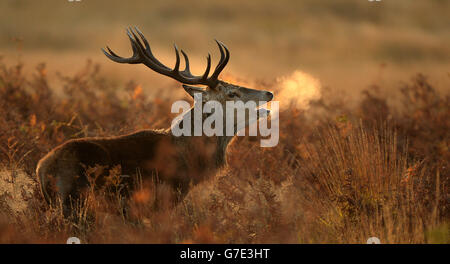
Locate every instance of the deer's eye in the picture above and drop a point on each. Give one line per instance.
(233, 95)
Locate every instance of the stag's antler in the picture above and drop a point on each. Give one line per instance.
(145, 56)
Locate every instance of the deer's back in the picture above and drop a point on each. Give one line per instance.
(64, 167)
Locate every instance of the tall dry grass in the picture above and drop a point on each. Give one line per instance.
(340, 174)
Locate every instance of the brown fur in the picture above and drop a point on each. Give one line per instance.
(179, 162)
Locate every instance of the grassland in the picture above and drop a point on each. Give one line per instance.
(364, 141)
(342, 43)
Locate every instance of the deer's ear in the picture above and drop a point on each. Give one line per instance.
(192, 90)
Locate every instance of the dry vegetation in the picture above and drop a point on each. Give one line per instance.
(343, 42)
(349, 165)
(339, 174)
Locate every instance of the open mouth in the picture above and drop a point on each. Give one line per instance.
(252, 115)
(262, 111)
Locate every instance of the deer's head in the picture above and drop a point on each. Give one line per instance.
(211, 89)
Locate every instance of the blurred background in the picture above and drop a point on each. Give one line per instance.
(347, 45)
(364, 117)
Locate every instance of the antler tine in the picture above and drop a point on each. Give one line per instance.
(187, 70)
(147, 45)
(114, 57)
(227, 56)
(134, 39)
(136, 46)
(224, 57)
(142, 54)
(208, 67)
(112, 52)
(134, 59)
(148, 50)
(176, 69)
(222, 53)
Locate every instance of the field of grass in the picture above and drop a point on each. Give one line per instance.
(364, 118)
(342, 43)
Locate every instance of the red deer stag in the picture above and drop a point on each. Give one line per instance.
(178, 161)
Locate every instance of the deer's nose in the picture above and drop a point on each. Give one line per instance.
(269, 95)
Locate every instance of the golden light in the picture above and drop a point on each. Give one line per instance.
(299, 89)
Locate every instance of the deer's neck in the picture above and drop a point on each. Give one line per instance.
(210, 148)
